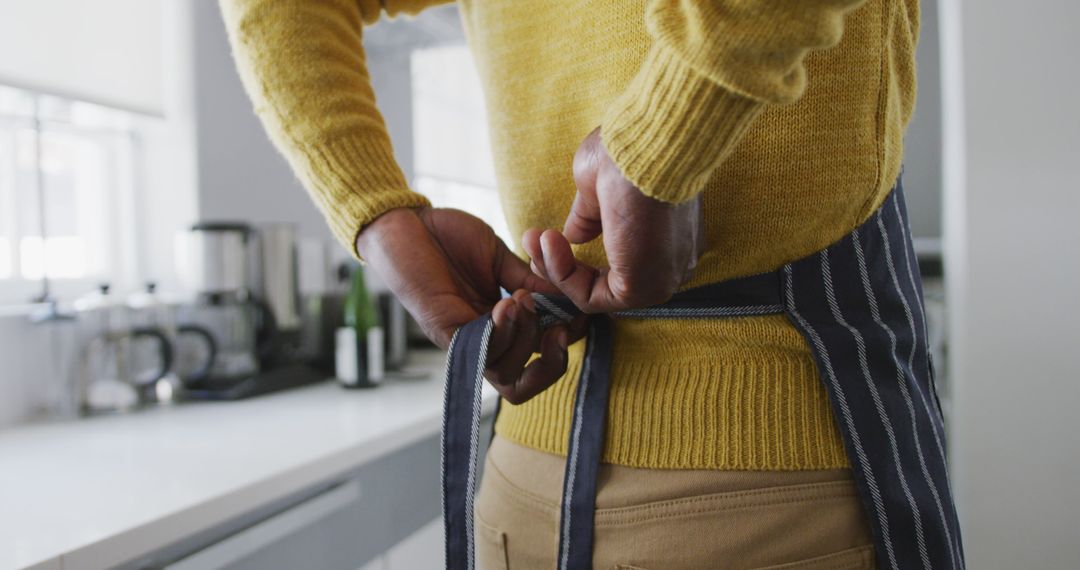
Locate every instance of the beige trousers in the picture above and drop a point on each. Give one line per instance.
(654, 519)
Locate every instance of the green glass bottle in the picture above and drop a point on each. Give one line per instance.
(359, 353)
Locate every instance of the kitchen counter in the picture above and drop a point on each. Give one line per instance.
(106, 491)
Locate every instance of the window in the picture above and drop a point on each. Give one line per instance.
(453, 160)
(65, 174)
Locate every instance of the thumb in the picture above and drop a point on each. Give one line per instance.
(583, 222)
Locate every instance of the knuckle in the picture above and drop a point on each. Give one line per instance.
(593, 308)
(581, 300)
(585, 165)
(688, 275)
(654, 296)
(665, 294)
(556, 368)
(436, 334)
(581, 161)
(560, 274)
(642, 291)
(578, 222)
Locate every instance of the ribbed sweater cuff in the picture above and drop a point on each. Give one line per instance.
(672, 127)
(353, 182)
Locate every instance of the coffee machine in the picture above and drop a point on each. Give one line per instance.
(244, 280)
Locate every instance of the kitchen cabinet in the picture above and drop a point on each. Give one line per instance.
(385, 516)
(345, 525)
(316, 477)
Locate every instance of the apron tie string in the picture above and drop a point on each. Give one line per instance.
(755, 295)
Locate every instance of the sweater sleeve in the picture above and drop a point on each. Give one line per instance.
(302, 64)
(712, 67)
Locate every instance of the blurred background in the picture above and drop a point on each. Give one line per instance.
(179, 333)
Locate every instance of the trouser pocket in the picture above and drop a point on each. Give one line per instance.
(700, 521)
(816, 526)
(490, 547)
(859, 558)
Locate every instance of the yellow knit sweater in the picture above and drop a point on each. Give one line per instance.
(788, 115)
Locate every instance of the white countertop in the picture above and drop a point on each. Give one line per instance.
(96, 492)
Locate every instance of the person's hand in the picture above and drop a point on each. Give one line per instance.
(652, 246)
(447, 268)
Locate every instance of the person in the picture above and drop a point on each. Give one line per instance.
(643, 150)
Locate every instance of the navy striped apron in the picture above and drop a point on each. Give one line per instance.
(858, 304)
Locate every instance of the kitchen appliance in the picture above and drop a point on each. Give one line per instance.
(123, 359)
(321, 316)
(117, 378)
(214, 258)
(245, 284)
(234, 327)
(216, 261)
(278, 282)
(395, 321)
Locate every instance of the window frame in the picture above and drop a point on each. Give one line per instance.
(121, 143)
(434, 167)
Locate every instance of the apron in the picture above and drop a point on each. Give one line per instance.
(858, 303)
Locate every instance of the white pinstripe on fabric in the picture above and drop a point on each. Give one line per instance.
(572, 453)
(901, 376)
(926, 405)
(474, 445)
(446, 410)
(860, 346)
(918, 302)
(845, 411)
(552, 307)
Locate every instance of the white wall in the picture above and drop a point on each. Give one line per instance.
(922, 144)
(38, 361)
(391, 78)
(1012, 175)
(167, 165)
(241, 176)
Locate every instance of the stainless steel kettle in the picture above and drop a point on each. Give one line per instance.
(246, 286)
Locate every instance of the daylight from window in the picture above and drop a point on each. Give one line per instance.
(454, 167)
(63, 167)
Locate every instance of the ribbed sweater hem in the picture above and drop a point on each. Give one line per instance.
(740, 408)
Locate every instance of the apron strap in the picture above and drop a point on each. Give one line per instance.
(585, 448)
(748, 296)
(461, 438)
(876, 371)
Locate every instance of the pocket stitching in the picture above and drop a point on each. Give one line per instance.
(655, 511)
(836, 561)
(497, 538)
